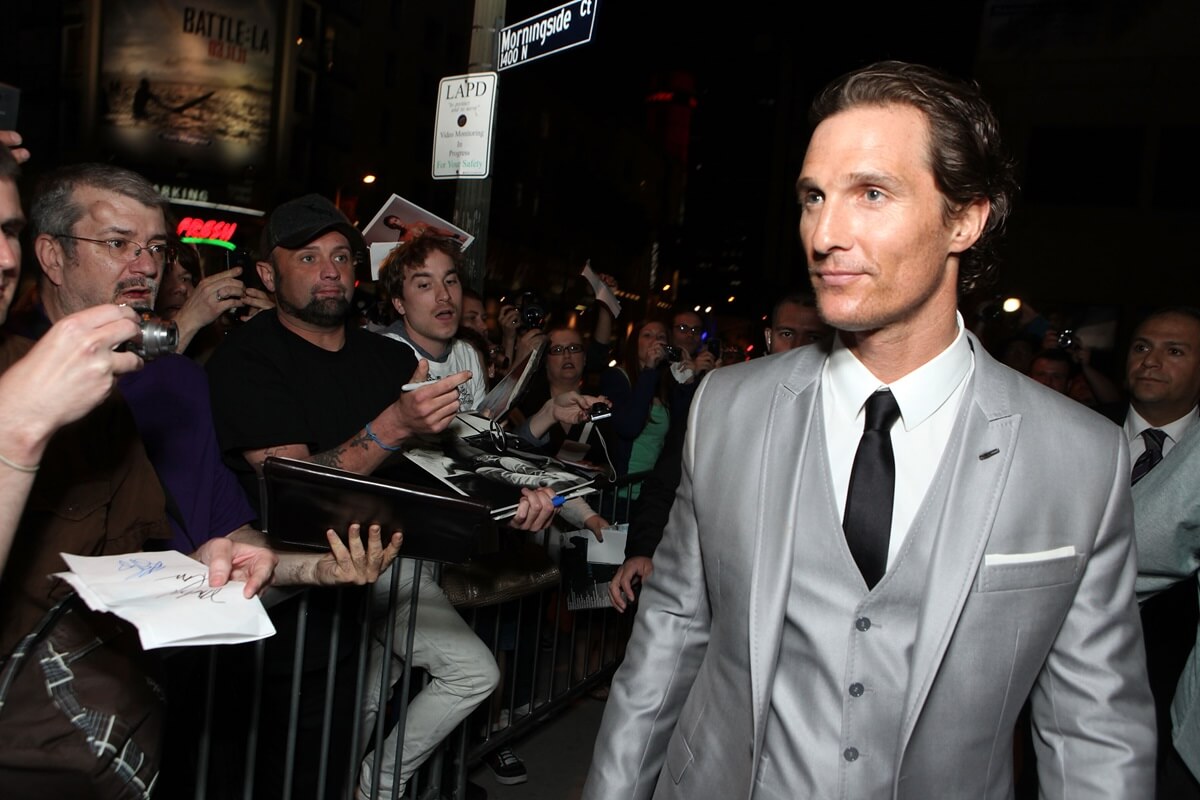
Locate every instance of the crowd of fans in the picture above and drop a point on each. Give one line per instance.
(293, 369)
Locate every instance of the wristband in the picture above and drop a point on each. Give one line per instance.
(18, 467)
(371, 435)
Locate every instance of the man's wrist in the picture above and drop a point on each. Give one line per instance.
(24, 443)
(379, 442)
(389, 429)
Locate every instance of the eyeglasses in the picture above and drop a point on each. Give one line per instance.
(126, 250)
(692, 329)
(559, 349)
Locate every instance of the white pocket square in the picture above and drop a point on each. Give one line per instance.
(995, 559)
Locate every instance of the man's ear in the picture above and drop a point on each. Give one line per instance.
(968, 226)
(266, 273)
(51, 257)
(398, 304)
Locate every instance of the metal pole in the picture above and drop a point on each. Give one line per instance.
(473, 197)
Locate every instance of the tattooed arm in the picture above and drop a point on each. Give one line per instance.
(429, 409)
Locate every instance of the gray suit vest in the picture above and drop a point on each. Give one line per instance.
(844, 662)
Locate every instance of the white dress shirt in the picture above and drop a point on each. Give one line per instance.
(1135, 424)
(928, 397)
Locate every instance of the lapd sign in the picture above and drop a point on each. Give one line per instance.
(558, 29)
(462, 131)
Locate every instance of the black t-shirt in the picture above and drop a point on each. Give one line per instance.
(270, 387)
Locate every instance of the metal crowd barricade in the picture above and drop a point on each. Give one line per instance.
(282, 718)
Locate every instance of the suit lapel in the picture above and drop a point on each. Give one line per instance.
(787, 436)
(982, 454)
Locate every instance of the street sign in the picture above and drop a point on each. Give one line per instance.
(462, 132)
(549, 32)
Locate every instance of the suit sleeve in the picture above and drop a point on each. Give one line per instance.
(1093, 714)
(1166, 518)
(669, 641)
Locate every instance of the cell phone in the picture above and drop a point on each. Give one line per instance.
(10, 101)
(713, 345)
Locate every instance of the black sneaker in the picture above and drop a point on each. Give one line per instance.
(506, 766)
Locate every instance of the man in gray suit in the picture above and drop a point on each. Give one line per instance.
(860, 609)
(1162, 372)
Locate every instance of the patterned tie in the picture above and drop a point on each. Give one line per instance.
(868, 519)
(1150, 457)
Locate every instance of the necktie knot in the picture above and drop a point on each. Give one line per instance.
(882, 411)
(1154, 439)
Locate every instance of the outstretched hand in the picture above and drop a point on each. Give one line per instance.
(352, 563)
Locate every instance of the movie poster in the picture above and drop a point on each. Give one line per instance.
(187, 86)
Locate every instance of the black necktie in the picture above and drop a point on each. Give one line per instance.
(1149, 459)
(868, 520)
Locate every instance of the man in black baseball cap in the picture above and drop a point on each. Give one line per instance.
(297, 222)
(297, 381)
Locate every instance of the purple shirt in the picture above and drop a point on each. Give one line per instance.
(171, 407)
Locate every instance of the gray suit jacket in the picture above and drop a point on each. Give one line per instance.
(688, 709)
(1167, 520)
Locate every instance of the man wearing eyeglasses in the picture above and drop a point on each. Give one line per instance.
(99, 234)
(100, 243)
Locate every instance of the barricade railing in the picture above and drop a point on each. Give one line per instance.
(283, 718)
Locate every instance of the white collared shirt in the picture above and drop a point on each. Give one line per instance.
(1135, 424)
(928, 397)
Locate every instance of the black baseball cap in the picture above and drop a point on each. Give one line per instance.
(297, 222)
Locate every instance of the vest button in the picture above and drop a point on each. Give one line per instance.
(856, 690)
(862, 623)
(850, 754)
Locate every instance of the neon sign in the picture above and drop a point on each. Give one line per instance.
(195, 230)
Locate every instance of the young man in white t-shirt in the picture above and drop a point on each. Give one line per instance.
(421, 277)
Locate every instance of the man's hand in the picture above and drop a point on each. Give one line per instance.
(355, 564)
(211, 298)
(429, 409)
(68, 373)
(254, 301)
(621, 587)
(238, 561)
(12, 140)
(534, 511)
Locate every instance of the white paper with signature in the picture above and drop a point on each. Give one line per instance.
(167, 597)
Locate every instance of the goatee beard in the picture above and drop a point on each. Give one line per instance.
(325, 312)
